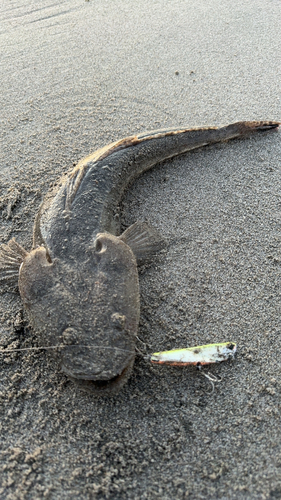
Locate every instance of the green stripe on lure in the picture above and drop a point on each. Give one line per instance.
(198, 356)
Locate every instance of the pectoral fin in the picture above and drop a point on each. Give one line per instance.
(143, 240)
(11, 257)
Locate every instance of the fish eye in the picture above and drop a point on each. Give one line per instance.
(99, 246)
(48, 257)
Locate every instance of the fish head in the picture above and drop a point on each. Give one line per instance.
(89, 309)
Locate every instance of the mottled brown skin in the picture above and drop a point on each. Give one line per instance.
(59, 298)
(79, 284)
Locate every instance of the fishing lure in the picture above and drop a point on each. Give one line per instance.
(198, 356)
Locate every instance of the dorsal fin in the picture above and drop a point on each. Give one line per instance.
(78, 173)
(11, 257)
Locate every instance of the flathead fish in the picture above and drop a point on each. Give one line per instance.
(79, 282)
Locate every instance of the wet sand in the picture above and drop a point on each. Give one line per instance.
(75, 76)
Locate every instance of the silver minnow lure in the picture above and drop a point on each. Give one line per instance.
(198, 356)
(79, 282)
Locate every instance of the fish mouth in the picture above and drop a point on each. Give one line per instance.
(99, 375)
(109, 387)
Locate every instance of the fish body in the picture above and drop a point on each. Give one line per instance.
(79, 283)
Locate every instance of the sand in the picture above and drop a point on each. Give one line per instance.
(75, 76)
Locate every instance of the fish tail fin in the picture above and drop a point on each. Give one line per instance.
(246, 128)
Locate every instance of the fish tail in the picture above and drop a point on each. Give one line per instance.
(245, 128)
